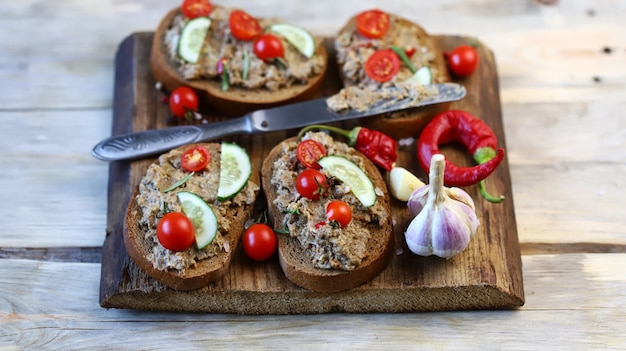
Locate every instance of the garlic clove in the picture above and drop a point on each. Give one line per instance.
(402, 183)
(459, 194)
(417, 200)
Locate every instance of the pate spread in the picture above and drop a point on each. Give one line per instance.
(328, 247)
(362, 99)
(220, 43)
(154, 203)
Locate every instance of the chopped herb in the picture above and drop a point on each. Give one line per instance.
(246, 65)
(404, 58)
(294, 211)
(179, 183)
(285, 230)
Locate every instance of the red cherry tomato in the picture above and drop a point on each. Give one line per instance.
(310, 183)
(309, 151)
(463, 60)
(372, 23)
(196, 8)
(175, 232)
(195, 159)
(268, 47)
(183, 100)
(259, 242)
(339, 212)
(243, 26)
(383, 65)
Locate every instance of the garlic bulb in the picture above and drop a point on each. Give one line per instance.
(444, 218)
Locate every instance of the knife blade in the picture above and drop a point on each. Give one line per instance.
(156, 141)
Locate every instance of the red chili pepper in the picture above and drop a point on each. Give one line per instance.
(378, 147)
(475, 135)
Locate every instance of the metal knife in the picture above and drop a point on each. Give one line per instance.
(156, 141)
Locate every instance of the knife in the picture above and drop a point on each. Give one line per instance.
(156, 141)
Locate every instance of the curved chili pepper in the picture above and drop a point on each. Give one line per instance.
(475, 135)
(378, 147)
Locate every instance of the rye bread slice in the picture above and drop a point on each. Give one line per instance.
(295, 262)
(206, 270)
(236, 101)
(408, 123)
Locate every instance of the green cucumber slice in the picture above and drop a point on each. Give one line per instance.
(422, 76)
(192, 38)
(235, 170)
(202, 217)
(352, 175)
(296, 36)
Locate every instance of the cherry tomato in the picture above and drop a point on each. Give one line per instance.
(195, 159)
(259, 242)
(463, 60)
(339, 212)
(372, 23)
(409, 51)
(243, 26)
(196, 8)
(310, 183)
(268, 47)
(175, 231)
(383, 65)
(183, 101)
(309, 151)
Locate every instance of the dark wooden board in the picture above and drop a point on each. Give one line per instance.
(487, 275)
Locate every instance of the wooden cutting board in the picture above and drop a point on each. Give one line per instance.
(487, 275)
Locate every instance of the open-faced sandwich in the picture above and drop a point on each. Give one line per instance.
(185, 219)
(236, 62)
(382, 51)
(330, 206)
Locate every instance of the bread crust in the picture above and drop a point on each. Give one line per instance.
(236, 101)
(408, 123)
(292, 257)
(206, 270)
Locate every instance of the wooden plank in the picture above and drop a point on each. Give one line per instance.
(487, 275)
(573, 302)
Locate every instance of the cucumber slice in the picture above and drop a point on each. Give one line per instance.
(422, 76)
(235, 170)
(202, 217)
(192, 38)
(296, 36)
(352, 175)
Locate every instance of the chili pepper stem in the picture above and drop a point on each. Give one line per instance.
(350, 134)
(481, 156)
(486, 195)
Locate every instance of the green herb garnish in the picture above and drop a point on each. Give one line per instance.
(179, 183)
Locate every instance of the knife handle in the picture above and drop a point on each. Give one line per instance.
(150, 142)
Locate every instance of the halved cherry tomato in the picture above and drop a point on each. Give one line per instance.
(339, 212)
(268, 47)
(463, 60)
(309, 151)
(372, 23)
(196, 8)
(183, 100)
(259, 242)
(311, 183)
(383, 65)
(195, 159)
(243, 26)
(175, 232)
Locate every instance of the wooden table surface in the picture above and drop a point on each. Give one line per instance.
(562, 70)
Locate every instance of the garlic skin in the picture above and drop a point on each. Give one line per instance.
(444, 218)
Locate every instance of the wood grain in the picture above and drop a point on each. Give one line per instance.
(487, 275)
(574, 302)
